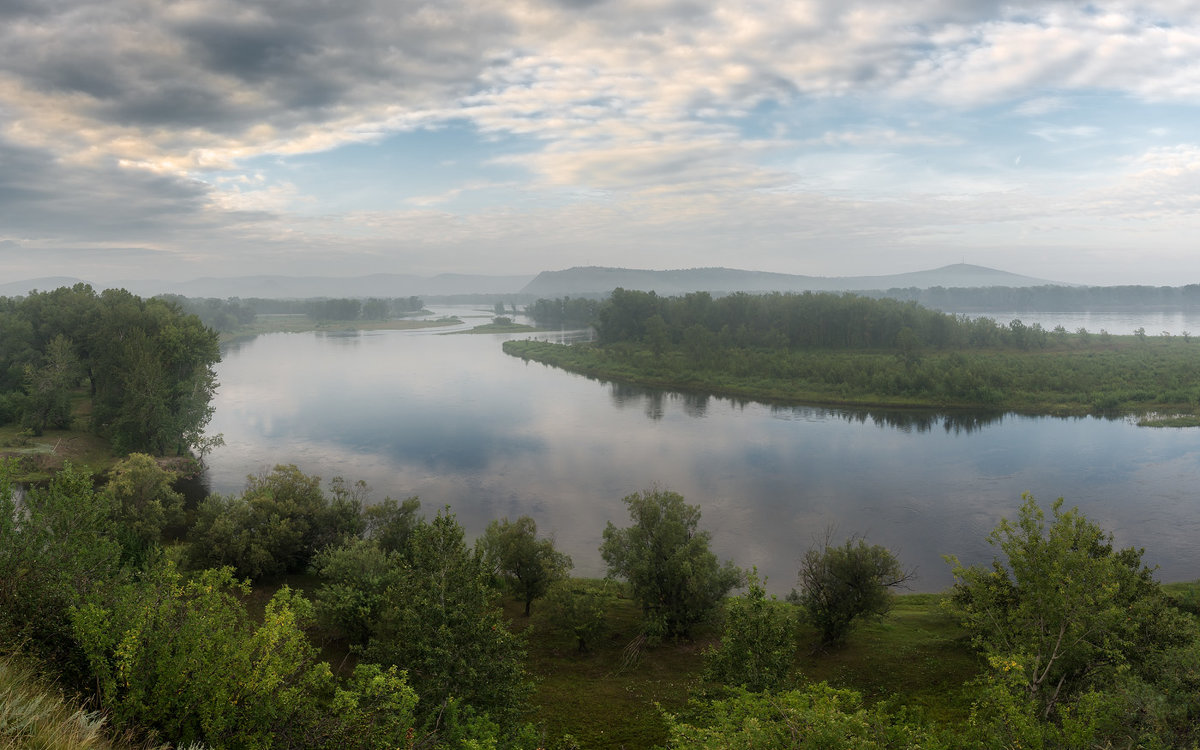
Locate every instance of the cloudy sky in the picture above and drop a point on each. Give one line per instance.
(176, 139)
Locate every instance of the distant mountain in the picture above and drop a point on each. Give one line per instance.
(597, 280)
(302, 287)
(573, 281)
(43, 284)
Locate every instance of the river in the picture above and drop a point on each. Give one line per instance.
(453, 420)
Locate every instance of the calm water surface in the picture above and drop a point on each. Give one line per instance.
(456, 422)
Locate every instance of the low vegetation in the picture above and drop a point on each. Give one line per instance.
(1064, 641)
(849, 350)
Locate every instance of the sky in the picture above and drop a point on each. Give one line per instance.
(175, 139)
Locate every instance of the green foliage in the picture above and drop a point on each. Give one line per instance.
(143, 498)
(375, 709)
(841, 585)
(1064, 610)
(563, 312)
(151, 370)
(56, 552)
(817, 717)
(667, 563)
(579, 607)
(1094, 378)
(275, 526)
(357, 582)
(49, 387)
(390, 524)
(525, 564)
(182, 657)
(757, 644)
(441, 624)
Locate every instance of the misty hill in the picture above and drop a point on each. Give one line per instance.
(374, 285)
(597, 280)
(298, 287)
(42, 284)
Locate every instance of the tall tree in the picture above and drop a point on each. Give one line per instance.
(527, 565)
(667, 562)
(441, 623)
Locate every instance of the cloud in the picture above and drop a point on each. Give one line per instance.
(664, 128)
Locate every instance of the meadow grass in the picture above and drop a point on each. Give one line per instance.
(613, 695)
(1124, 375)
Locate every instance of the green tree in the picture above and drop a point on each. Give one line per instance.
(1063, 609)
(667, 562)
(657, 337)
(184, 658)
(390, 524)
(151, 371)
(56, 551)
(357, 579)
(525, 564)
(275, 526)
(143, 498)
(841, 585)
(442, 624)
(757, 643)
(579, 607)
(49, 387)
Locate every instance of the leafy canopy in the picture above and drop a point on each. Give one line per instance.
(843, 585)
(667, 562)
(1062, 608)
(526, 565)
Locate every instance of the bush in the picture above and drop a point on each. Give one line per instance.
(1063, 609)
(579, 607)
(674, 576)
(56, 552)
(816, 717)
(276, 526)
(440, 622)
(526, 565)
(143, 499)
(356, 581)
(841, 585)
(757, 644)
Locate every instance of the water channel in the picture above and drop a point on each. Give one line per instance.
(453, 420)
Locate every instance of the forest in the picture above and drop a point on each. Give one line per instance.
(845, 349)
(142, 367)
(295, 616)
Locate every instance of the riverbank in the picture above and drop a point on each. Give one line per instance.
(1122, 375)
(303, 323)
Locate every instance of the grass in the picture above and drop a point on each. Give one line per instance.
(1122, 375)
(39, 458)
(604, 700)
(34, 716)
(499, 328)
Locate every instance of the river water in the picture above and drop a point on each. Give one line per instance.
(453, 420)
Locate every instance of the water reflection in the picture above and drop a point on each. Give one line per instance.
(454, 420)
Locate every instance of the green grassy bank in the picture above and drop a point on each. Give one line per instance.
(1123, 375)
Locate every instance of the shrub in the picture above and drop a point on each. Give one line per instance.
(841, 585)
(757, 643)
(667, 563)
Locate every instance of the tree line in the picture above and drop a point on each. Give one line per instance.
(698, 322)
(1048, 298)
(1079, 645)
(564, 312)
(145, 365)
